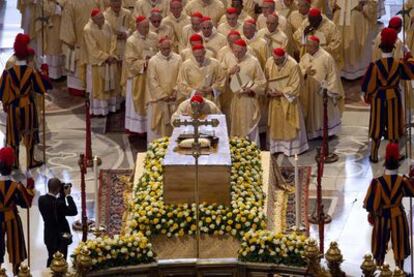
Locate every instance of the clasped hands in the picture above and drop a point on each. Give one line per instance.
(274, 92)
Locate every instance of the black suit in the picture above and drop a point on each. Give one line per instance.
(54, 211)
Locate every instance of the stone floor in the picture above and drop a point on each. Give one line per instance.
(345, 181)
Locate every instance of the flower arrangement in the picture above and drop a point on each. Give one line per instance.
(264, 246)
(151, 216)
(107, 252)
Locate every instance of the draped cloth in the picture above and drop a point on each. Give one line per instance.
(193, 77)
(161, 83)
(287, 133)
(75, 15)
(356, 27)
(329, 36)
(134, 76)
(326, 77)
(101, 76)
(245, 110)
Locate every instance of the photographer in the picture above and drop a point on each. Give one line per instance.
(54, 207)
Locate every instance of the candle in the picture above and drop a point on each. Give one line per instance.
(95, 173)
(297, 195)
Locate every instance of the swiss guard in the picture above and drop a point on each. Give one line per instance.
(380, 89)
(17, 87)
(12, 194)
(383, 202)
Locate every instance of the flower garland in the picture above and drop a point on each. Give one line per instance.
(268, 247)
(109, 252)
(152, 216)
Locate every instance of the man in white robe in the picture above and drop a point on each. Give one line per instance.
(286, 127)
(320, 72)
(101, 69)
(161, 90)
(140, 47)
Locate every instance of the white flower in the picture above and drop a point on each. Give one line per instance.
(150, 254)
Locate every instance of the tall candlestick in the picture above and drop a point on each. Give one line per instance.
(297, 194)
(95, 173)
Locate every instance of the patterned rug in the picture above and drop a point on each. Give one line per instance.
(304, 178)
(112, 191)
(281, 196)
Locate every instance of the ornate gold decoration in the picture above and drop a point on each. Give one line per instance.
(398, 272)
(84, 261)
(24, 271)
(385, 271)
(59, 266)
(368, 266)
(334, 258)
(314, 259)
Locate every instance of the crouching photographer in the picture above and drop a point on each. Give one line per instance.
(54, 207)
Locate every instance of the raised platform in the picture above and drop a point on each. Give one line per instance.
(203, 267)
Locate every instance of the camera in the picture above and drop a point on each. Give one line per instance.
(65, 186)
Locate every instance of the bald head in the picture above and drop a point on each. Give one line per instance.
(143, 27)
(176, 7)
(155, 19)
(272, 22)
(165, 47)
(116, 5)
(249, 30)
(207, 28)
(311, 46)
(268, 8)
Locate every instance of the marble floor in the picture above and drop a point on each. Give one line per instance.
(345, 181)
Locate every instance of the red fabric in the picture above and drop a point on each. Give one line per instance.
(309, 1)
(240, 42)
(197, 98)
(197, 14)
(205, 18)
(279, 52)
(314, 12)
(30, 51)
(20, 50)
(155, 10)
(198, 47)
(7, 155)
(269, 1)
(22, 38)
(250, 21)
(388, 36)
(233, 33)
(76, 92)
(395, 22)
(95, 12)
(196, 37)
(407, 56)
(30, 183)
(140, 18)
(231, 10)
(392, 151)
(162, 39)
(314, 38)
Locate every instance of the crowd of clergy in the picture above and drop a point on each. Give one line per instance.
(264, 63)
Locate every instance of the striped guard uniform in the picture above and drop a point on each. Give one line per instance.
(13, 194)
(380, 87)
(17, 87)
(383, 202)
